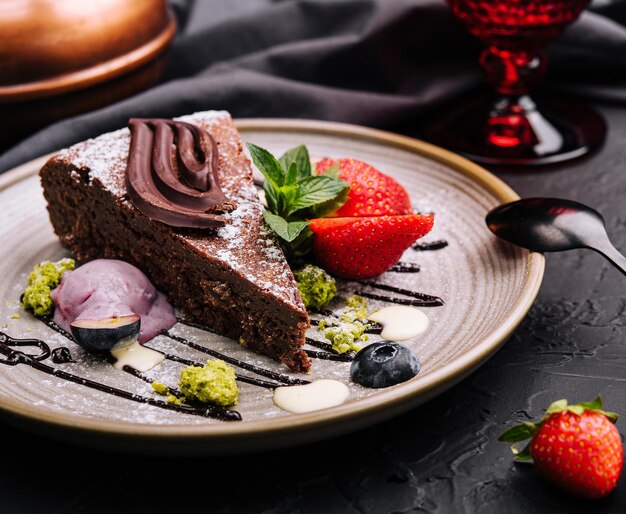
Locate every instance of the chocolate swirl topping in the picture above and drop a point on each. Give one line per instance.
(172, 174)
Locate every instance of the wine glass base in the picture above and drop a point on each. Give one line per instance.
(560, 130)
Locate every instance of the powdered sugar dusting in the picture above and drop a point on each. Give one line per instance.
(244, 244)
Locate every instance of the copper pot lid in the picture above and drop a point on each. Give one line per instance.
(53, 46)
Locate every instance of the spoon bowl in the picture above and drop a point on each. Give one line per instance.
(553, 225)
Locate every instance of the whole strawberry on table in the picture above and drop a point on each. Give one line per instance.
(575, 447)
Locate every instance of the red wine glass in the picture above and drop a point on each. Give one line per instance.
(511, 127)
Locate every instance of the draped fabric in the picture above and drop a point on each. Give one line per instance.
(381, 63)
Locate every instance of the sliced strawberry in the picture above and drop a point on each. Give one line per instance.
(372, 193)
(365, 247)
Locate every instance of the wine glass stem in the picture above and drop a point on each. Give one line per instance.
(513, 72)
(514, 120)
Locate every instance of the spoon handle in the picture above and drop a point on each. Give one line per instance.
(615, 257)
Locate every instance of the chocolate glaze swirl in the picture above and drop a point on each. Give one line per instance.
(177, 187)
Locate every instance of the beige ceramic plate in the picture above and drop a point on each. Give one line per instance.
(488, 287)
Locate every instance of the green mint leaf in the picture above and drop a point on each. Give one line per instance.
(267, 165)
(288, 194)
(300, 157)
(332, 172)
(326, 208)
(316, 190)
(292, 174)
(297, 250)
(283, 228)
(518, 433)
(271, 197)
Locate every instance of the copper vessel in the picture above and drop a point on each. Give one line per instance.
(59, 58)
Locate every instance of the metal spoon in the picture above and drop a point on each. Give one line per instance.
(553, 225)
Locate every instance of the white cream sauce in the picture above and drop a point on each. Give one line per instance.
(400, 322)
(318, 395)
(129, 352)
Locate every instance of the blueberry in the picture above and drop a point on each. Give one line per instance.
(383, 364)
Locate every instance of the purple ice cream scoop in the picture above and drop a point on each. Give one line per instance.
(108, 288)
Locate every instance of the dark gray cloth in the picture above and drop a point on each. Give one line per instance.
(380, 63)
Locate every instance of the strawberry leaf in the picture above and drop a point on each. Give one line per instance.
(287, 230)
(596, 404)
(523, 455)
(300, 157)
(613, 416)
(576, 409)
(521, 432)
(267, 165)
(317, 190)
(558, 406)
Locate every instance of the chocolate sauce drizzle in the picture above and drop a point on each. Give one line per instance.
(405, 267)
(62, 355)
(279, 377)
(142, 376)
(417, 299)
(311, 353)
(430, 245)
(169, 356)
(329, 356)
(184, 193)
(14, 357)
(329, 352)
(403, 301)
(241, 378)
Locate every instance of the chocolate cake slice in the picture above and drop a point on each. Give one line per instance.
(232, 278)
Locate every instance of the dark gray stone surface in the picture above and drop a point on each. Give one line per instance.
(442, 457)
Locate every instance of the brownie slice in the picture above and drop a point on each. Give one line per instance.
(233, 279)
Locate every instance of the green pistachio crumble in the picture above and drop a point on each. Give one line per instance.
(15, 316)
(41, 281)
(350, 331)
(356, 308)
(322, 325)
(346, 337)
(317, 288)
(215, 382)
(160, 388)
(164, 390)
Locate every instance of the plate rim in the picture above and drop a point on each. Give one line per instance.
(257, 435)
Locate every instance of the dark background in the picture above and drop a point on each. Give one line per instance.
(385, 64)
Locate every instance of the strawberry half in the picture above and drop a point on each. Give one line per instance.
(365, 247)
(575, 447)
(372, 193)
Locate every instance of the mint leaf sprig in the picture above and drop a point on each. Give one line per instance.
(294, 194)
